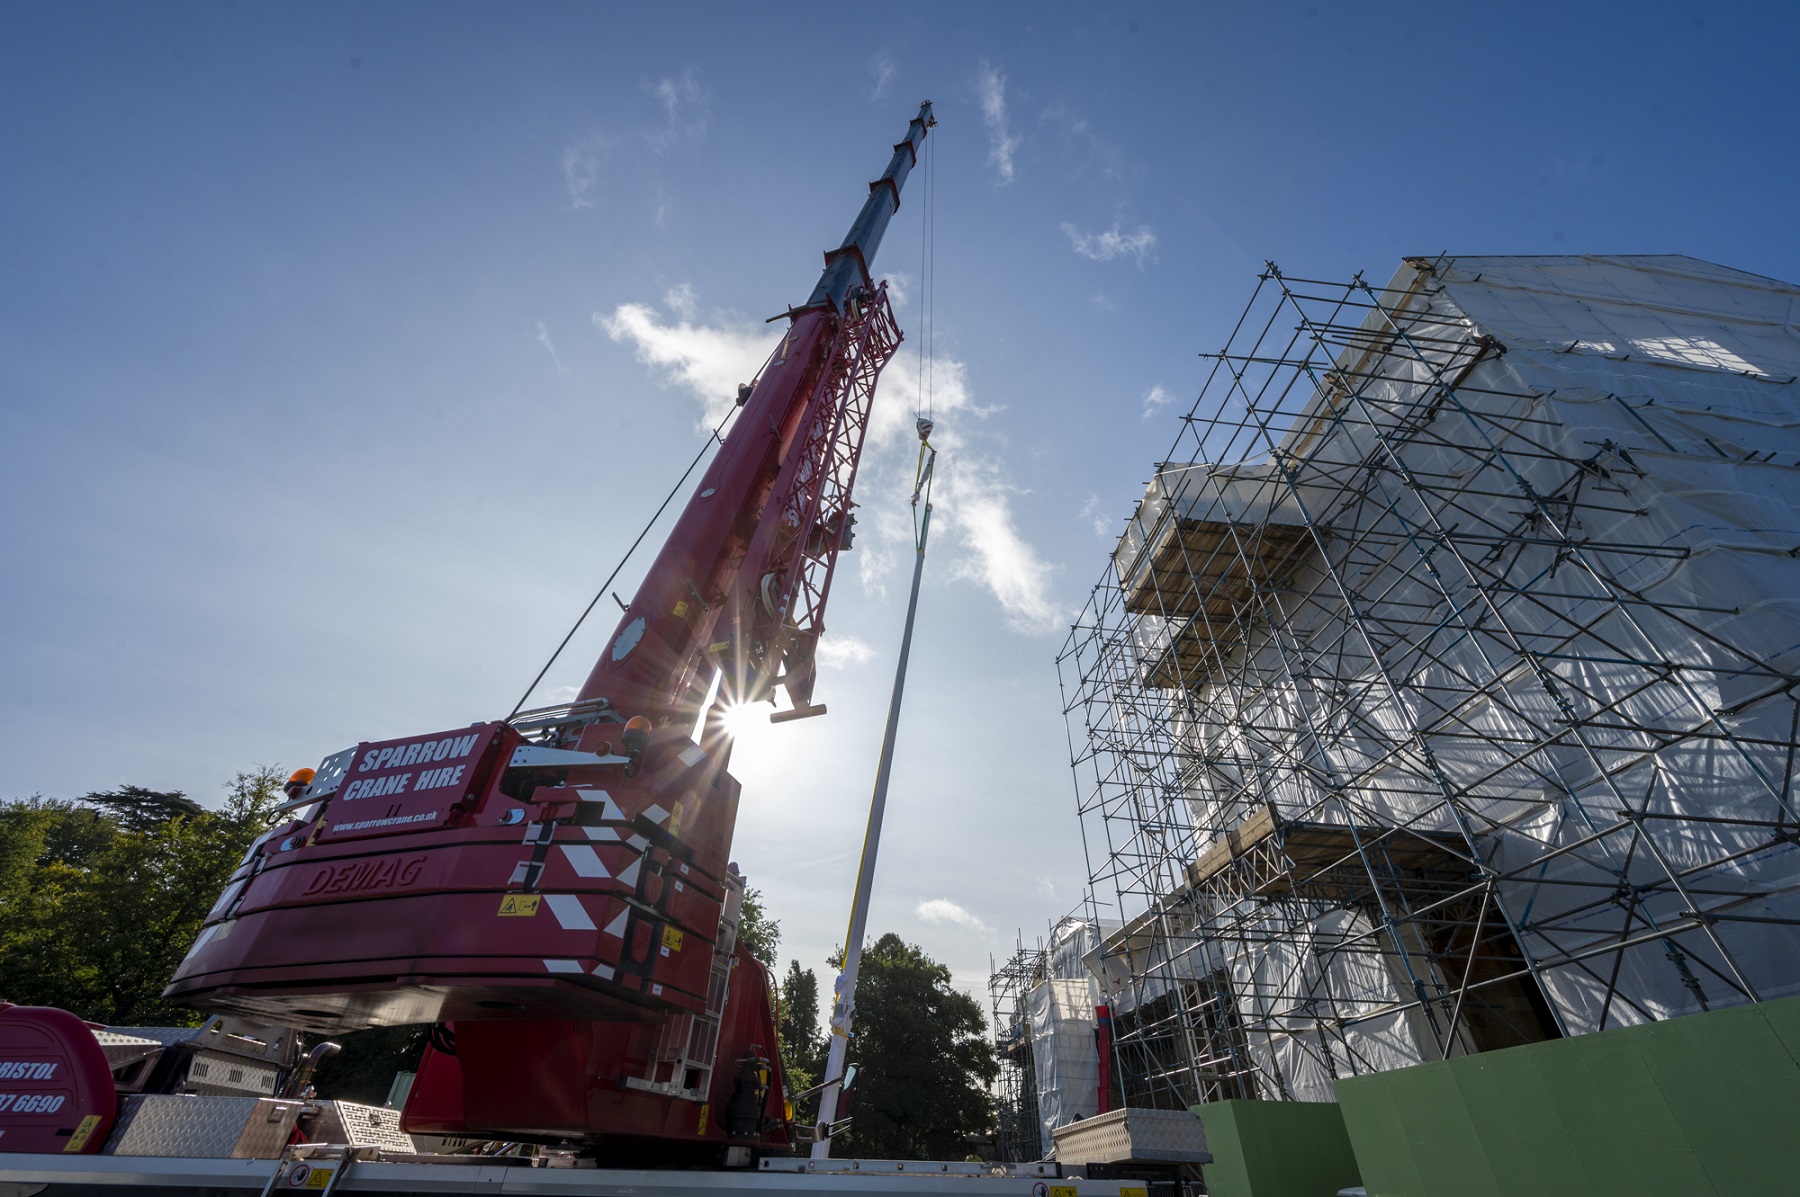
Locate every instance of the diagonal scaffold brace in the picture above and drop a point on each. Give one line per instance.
(844, 1004)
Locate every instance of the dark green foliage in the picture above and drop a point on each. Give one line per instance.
(70, 834)
(101, 904)
(136, 809)
(925, 1061)
(802, 1046)
(364, 1070)
(759, 933)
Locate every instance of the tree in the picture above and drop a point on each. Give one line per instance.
(924, 1061)
(140, 810)
(802, 1047)
(103, 903)
(759, 933)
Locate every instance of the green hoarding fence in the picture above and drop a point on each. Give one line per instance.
(1276, 1149)
(1694, 1106)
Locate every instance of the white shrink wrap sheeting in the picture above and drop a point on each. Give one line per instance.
(1555, 558)
(1064, 1052)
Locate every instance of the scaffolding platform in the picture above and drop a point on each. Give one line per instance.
(1268, 856)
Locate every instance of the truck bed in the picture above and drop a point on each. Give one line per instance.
(77, 1176)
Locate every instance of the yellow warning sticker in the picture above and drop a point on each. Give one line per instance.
(520, 905)
(84, 1131)
(1064, 1191)
(675, 819)
(301, 1175)
(671, 939)
(680, 608)
(1133, 1191)
(704, 1110)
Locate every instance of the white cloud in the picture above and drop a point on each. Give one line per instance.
(943, 910)
(1113, 243)
(687, 109)
(581, 167)
(686, 112)
(543, 338)
(1001, 142)
(1001, 559)
(1095, 515)
(680, 300)
(708, 360)
(876, 562)
(881, 71)
(973, 499)
(838, 651)
(899, 288)
(1155, 399)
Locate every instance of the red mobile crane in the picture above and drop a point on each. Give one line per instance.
(553, 890)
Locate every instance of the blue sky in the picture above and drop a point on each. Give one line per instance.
(343, 349)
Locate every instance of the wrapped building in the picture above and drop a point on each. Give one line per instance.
(1441, 695)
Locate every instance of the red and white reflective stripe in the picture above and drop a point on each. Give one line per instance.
(585, 861)
(611, 811)
(569, 912)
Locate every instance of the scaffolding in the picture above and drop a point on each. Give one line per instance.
(1015, 1092)
(1443, 693)
(1046, 1037)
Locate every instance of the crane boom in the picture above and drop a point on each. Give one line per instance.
(730, 530)
(554, 891)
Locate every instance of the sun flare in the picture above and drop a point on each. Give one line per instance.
(741, 718)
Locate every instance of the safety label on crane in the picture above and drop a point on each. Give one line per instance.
(84, 1130)
(304, 1174)
(520, 905)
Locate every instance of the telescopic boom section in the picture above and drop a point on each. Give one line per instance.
(848, 264)
(741, 583)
